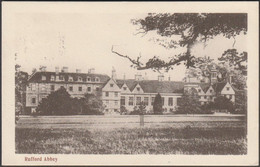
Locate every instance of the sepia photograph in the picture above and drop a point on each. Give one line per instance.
(115, 79)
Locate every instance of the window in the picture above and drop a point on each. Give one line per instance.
(111, 85)
(33, 100)
(116, 103)
(138, 100)
(89, 89)
(97, 88)
(205, 97)
(122, 100)
(52, 77)
(61, 77)
(79, 79)
(107, 94)
(163, 101)
(152, 100)
(71, 88)
(210, 90)
(138, 89)
(199, 90)
(88, 79)
(170, 101)
(146, 101)
(70, 79)
(52, 88)
(80, 88)
(131, 101)
(43, 77)
(116, 94)
(97, 79)
(124, 88)
(227, 88)
(61, 86)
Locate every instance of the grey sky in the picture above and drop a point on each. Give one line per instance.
(87, 39)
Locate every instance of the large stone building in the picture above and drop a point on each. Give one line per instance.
(42, 83)
(122, 92)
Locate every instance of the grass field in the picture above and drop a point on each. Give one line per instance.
(90, 136)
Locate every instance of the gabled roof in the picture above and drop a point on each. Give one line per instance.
(154, 86)
(219, 86)
(37, 77)
(204, 86)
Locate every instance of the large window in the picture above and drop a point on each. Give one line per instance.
(146, 101)
(33, 87)
(122, 101)
(52, 78)
(80, 88)
(107, 94)
(170, 101)
(116, 94)
(163, 101)
(138, 100)
(43, 87)
(43, 77)
(131, 101)
(33, 100)
(71, 88)
(89, 89)
(152, 100)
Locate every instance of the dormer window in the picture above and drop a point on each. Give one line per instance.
(43, 78)
(124, 88)
(52, 78)
(227, 88)
(97, 79)
(111, 85)
(199, 90)
(210, 91)
(79, 79)
(138, 89)
(88, 79)
(70, 79)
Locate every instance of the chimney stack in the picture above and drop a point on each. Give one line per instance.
(91, 71)
(78, 70)
(57, 70)
(169, 78)
(65, 69)
(160, 77)
(113, 73)
(42, 68)
(138, 77)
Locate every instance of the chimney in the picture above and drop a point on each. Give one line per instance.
(78, 70)
(124, 76)
(160, 77)
(113, 73)
(57, 70)
(169, 78)
(138, 77)
(43, 68)
(65, 69)
(91, 71)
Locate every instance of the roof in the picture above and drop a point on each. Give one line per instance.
(219, 86)
(154, 86)
(204, 86)
(37, 77)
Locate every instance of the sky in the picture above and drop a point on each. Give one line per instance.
(84, 40)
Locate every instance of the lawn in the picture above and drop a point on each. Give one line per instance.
(217, 137)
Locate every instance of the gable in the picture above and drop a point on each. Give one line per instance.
(111, 86)
(138, 89)
(125, 89)
(227, 89)
(210, 91)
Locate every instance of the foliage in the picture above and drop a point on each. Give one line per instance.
(56, 103)
(185, 30)
(20, 88)
(189, 103)
(223, 103)
(92, 105)
(241, 103)
(123, 110)
(139, 110)
(208, 108)
(157, 105)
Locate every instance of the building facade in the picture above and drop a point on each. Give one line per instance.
(42, 83)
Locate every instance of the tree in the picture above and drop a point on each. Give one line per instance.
(185, 30)
(189, 103)
(20, 88)
(123, 110)
(223, 103)
(241, 102)
(139, 110)
(92, 105)
(157, 105)
(56, 103)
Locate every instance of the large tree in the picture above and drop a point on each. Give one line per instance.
(157, 105)
(185, 30)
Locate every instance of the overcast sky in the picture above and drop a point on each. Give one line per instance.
(84, 40)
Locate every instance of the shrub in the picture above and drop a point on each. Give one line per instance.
(157, 105)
